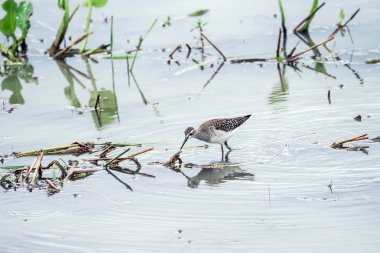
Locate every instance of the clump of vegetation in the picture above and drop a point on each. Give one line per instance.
(55, 49)
(56, 174)
(90, 4)
(16, 18)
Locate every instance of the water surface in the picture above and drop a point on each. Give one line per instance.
(276, 199)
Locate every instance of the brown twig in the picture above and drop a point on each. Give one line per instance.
(329, 38)
(107, 150)
(118, 160)
(173, 159)
(308, 17)
(339, 144)
(188, 51)
(175, 50)
(29, 170)
(135, 154)
(74, 171)
(52, 185)
(248, 60)
(38, 165)
(278, 44)
(214, 46)
(294, 57)
(72, 44)
(345, 24)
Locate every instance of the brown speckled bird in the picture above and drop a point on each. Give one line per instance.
(215, 131)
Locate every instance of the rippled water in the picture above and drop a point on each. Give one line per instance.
(275, 199)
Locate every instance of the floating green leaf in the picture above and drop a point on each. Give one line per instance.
(198, 13)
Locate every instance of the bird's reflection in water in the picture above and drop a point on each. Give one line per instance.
(220, 174)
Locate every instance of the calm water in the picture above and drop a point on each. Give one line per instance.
(276, 200)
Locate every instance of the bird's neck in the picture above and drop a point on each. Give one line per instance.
(201, 136)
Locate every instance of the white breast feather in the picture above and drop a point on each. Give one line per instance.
(221, 136)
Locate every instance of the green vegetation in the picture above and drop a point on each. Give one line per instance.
(89, 4)
(141, 39)
(198, 13)
(17, 17)
(306, 25)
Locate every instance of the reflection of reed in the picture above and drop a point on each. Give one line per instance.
(213, 75)
(214, 176)
(108, 101)
(279, 93)
(319, 66)
(337, 58)
(144, 99)
(70, 78)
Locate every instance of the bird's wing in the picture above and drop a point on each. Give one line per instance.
(225, 125)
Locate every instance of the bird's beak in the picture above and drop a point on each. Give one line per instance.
(184, 141)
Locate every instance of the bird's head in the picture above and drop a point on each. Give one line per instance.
(189, 132)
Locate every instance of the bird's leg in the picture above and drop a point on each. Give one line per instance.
(222, 151)
(225, 143)
(226, 157)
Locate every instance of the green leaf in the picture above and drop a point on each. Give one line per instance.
(17, 16)
(8, 23)
(305, 27)
(342, 15)
(61, 4)
(198, 13)
(23, 13)
(95, 3)
(282, 12)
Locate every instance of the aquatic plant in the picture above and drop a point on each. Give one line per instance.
(64, 5)
(141, 39)
(89, 4)
(16, 17)
(55, 50)
(313, 10)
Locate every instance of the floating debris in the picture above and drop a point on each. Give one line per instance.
(34, 176)
(171, 163)
(358, 118)
(339, 144)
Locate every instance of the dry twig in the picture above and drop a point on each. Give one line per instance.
(339, 144)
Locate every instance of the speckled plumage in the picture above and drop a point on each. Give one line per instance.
(215, 130)
(225, 125)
